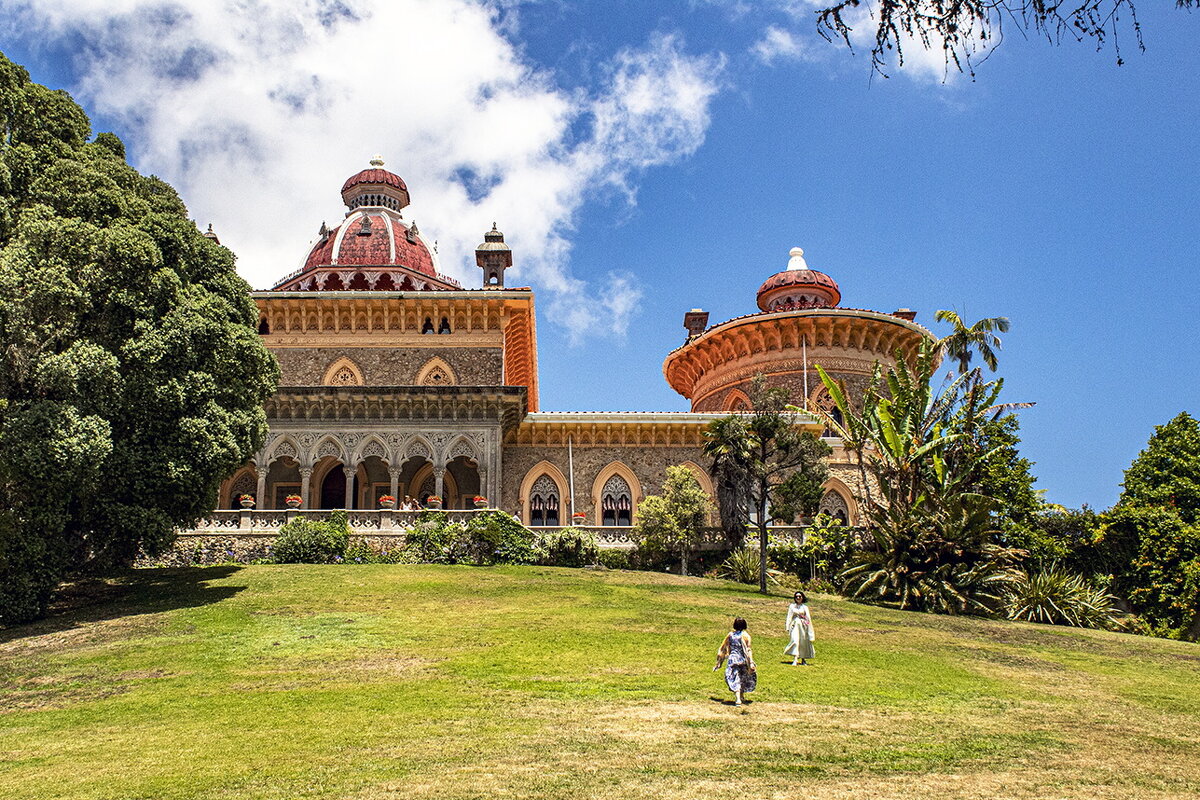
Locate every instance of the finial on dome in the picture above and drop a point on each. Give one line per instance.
(211, 234)
(377, 161)
(797, 259)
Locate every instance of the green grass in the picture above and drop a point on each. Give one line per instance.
(454, 682)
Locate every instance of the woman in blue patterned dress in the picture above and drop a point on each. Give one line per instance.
(740, 672)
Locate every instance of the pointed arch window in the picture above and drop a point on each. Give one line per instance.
(616, 502)
(823, 401)
(544, 502)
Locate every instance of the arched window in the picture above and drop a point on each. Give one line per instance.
(445, 326)
(833, 504)
(428, 326)
(264, 327)
(823, 401)
(543, 502)
(616, 502)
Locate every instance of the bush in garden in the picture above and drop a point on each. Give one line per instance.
(435, 540)
(743, 566)
(1057, 597)
(306, 541)
(615, 558)
(493, 537)
(569, 547)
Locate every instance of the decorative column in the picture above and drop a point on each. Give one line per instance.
(261, 492)
(305, 480)
(485, 488)
(394, 472)
(349, 486)
(438, 474)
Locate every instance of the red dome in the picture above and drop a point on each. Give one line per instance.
(798, 288)
(372, 249)
(374, 175)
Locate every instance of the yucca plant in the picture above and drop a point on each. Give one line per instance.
(743, 566)
(1057, 597)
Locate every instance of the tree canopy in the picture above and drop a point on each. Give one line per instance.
(131, 374)
(1167, 472)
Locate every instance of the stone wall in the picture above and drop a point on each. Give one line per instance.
(391, 366)
(648, 465)
(856, 383)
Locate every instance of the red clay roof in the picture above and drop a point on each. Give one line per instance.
(375, 175)
(354, 249)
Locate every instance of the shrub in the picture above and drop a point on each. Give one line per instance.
(614, 558)
(305, 541)
(435, 540)
(569, 547)
(493, 537)
(742, 566)
(362, 553)
(1061, 598)
(828, 548)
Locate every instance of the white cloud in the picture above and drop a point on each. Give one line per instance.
(258, 110)
(778, 44)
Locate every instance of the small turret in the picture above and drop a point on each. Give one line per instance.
(695, 321)
(211, 234)
(493, 257)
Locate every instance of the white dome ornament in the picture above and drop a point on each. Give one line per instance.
(796, 262)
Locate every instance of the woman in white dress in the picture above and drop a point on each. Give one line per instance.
(799, 627)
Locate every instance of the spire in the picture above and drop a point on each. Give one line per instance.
(797, 259)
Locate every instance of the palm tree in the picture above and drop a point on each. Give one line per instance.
(963, 342)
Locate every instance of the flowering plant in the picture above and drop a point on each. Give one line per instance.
(433, 498)
(387, 498)
(292, 498)
(579, 515)
(479, 498)
(242, 497)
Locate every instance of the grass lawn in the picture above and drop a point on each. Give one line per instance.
(454, 682)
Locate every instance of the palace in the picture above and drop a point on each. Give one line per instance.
(395, 379)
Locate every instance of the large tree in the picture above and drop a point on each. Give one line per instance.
(754, 454)
(964, 341)
(131, 374)
(964, 29)
(1167, 472)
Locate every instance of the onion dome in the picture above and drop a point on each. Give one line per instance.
(374, 247)
(798, 287)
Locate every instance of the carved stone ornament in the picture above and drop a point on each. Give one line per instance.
(329, 448)
(374, 448)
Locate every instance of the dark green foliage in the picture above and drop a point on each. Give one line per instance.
(798, 495)
(309, 541)
(489, 537)
(494, 537)
(742, 566)
(1167, 472)
(1066, 538)
(129, 358)
(614, 559)
(1056, 597)
(1005, 477)
(827, 549)
(1160, 554)
(569, 547)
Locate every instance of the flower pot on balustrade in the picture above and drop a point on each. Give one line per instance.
(293, 501)
(481, 502)
(246, 501)
(387, 503)
(578, 519)
(434, 503)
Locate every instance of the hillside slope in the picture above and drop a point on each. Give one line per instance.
(454, 682)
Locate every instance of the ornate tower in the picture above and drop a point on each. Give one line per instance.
(493, 257)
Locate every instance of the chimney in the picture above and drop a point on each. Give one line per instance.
(695, 321)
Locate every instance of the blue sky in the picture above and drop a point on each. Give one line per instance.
(645, 159)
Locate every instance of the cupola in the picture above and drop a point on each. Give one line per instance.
(375, 186)
(493, 257)
(798, 287)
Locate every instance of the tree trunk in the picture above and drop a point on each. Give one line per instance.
(762, 538)
(683, 554)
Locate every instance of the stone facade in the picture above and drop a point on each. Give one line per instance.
(391, 366)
